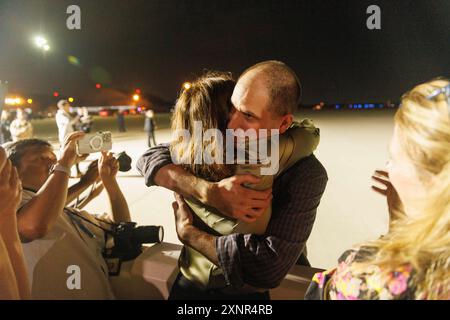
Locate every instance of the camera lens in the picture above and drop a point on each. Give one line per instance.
(149, 234)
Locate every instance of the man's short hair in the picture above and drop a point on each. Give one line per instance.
(61, 103)
(16, 150)
(283, 86)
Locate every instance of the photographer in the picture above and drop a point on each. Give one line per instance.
(57, 237)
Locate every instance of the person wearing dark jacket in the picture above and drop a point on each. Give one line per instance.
(149, 127)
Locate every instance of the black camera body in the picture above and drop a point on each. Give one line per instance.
(124, 161)
(128, 240)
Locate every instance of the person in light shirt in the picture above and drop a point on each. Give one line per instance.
(55, 236)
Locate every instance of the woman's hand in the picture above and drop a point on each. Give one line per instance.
(183, 217)
(395, 205)
(10, 187)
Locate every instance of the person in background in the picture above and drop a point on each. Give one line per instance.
(412, 261)
(66, 125)
(5, 123)
(149, 127)
(86, 120)
(14, 282)
(21, 128)
(65, 122)
(121, 121)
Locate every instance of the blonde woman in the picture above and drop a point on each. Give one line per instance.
(13, 278)
(413, 260)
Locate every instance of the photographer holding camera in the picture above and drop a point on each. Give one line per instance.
(55, 237)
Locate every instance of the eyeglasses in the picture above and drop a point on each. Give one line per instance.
(445, 90)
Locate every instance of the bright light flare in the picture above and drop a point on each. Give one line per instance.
(13, 101)
(187, 85)
(136, 97)
(70, 100)
(40, 41)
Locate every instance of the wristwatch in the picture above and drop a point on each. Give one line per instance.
(58, 167)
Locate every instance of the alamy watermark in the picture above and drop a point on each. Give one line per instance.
(237, 147)
(73, 281)
(373, 22)
(73, 21)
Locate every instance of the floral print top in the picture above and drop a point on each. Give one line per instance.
(341, 284)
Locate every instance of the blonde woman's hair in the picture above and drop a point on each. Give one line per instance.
(422, 241)
(207, 100)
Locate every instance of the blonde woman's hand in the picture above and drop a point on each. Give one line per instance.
(395, 205)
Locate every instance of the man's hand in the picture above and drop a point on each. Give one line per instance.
(10, 187)
(395, 205)
(108, 167)
(191, 236)
(231, 198)
(69, 155)
(91, 174)
(183, 217)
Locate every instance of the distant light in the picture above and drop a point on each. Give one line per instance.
(98, 85)
(46, 47)
(73, 61)
(70, 99)
(13, 101)
(138, 91)
(136, 97)
(187, 85)
(55, 94)
(40, 41)
(337, 106)
(30, 101)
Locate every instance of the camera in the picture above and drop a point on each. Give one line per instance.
(96, 142)
(125, 240)
(124, 161)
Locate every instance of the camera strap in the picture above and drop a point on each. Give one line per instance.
(72, 214)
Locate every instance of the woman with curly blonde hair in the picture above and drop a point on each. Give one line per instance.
(413, 260)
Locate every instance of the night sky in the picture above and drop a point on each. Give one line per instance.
(157, 45)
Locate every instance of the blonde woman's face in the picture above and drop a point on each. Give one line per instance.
(403, 176)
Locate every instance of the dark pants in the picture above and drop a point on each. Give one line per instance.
(183, 289)
(151, 137)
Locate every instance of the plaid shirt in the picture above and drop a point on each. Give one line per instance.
(264, 260)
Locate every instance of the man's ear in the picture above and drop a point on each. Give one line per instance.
(286, 122)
